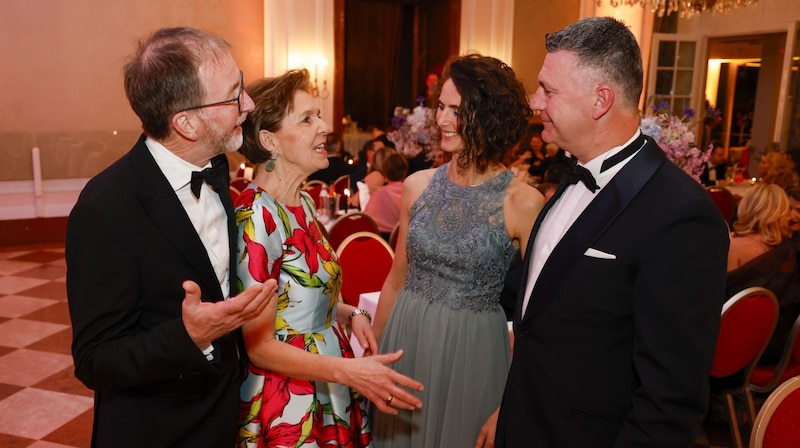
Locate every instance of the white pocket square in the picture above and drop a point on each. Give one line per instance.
(594, 253)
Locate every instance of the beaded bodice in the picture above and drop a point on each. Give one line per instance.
(458, 246)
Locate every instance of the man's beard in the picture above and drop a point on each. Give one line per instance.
(220, 139)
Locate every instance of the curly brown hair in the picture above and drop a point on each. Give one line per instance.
(274, 99)
(494, 109)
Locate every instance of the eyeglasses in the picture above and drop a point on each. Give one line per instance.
(237, 99)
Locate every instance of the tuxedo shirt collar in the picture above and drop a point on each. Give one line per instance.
(594, 165)
(177, 171)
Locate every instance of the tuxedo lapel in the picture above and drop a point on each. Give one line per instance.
(526, 263)
(593, 222)
(165, 209)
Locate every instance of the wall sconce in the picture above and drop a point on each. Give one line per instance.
(315, 87)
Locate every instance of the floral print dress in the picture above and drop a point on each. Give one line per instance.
(284, 242)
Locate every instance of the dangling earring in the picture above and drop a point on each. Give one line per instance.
(269, 165)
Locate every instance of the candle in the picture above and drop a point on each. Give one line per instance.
(248, 173)
(346, 198)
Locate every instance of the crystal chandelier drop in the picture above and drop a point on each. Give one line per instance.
(684, 8)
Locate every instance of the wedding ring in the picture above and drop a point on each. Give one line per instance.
(389, 399)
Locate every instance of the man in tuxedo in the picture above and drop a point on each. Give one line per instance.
(715, 167)
(337, 165)
(150, 252)
(624, 276)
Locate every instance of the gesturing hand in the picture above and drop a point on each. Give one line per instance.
(206, 321)
(384, 387)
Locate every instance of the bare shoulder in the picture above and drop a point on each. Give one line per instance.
(416, 182)
(523, 199)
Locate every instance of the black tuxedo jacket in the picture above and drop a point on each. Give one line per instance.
(616, 351)
(129, 247)
(720, 174)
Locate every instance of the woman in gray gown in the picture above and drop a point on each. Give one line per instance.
(460, 227)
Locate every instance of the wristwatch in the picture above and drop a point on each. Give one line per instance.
(358, 311)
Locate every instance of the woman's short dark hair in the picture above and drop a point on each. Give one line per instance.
(395, 167)
(274, 99)
(494, 110)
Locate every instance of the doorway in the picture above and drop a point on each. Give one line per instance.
(742, 91)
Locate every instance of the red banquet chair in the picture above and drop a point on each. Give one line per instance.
(777, 423)
(724, 201)
(349, 224)
(314, 188)
(234, 193)
(339, 185)
(746, 326)
(365, 259)
(766, 378)
(239, 183)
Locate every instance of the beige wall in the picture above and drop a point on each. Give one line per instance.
(61, 74)
(532, 20)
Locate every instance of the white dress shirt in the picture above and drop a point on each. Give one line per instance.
(565, 212)
(207, 214)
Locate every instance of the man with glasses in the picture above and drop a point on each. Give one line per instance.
(150, 250)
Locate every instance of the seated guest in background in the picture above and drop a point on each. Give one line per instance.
(537, 155)
(715, 167)
(777, 168)
(384, 203)
(793, 193)
(337, 165)
(375, 177)
(364, 162)
(761, 254)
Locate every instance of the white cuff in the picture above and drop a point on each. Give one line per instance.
(207, 352)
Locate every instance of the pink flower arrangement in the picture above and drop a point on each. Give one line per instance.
(415, 130)
(673, 134)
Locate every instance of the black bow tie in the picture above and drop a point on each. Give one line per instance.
(575, 173)
(216, 176)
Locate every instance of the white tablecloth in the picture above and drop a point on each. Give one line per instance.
(367, 301)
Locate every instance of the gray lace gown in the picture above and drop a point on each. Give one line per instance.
(447, 318)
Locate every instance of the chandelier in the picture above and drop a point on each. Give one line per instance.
(684, 8)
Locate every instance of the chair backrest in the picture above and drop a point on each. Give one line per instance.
(234, 193)
(349, 224)
(724, 200)
(776, 425)
(313, 188)
(339, 185)
(747, 322)
(239, 183)
(365, 259)
(766, 378)
(393, 237)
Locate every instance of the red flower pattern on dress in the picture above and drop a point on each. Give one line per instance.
(307, 240)
(246, 198)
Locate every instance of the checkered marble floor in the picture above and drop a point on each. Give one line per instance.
(42, 405)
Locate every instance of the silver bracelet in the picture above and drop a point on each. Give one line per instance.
(363, 312)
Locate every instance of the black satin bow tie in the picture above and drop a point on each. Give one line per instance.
(216, 176)
(575, 173)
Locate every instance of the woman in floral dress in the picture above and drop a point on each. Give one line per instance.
(303, 387)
